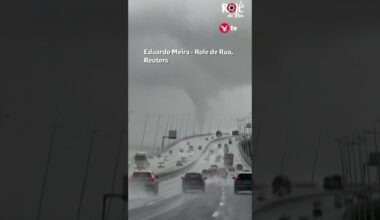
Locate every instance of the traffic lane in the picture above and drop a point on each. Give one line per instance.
(295, 208)
(193, 205)
(236, 206)
(167, 188)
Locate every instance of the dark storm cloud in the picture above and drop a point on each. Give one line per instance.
(183, 26)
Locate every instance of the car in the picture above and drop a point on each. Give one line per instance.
(219, 145)
(333, 182)
(161, 162)
(170, 151)
(239, 166)
(141, 160)
(145, 179)
(230, 169)
(166, 159)
(207, 173)
(218, 133)
(179, 163)
(181, 150)
(217, 160)
(161, 166)
(193, 181)
(200, 147)
(159, 155)
(206, 139)
(243, 181)
(214, 166)
(230, 141)
(281, 185)
(183, 159)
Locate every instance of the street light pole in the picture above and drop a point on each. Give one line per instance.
(52, 137)
(143, 135)
(93, 132)
(155, 137)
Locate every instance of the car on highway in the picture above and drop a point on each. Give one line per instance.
(141, 160)
(243, 182)
(281, 185)
(333, 182)
(161, 166)
(230, 141)
(193, 181)
(166, 159)
(146, 180)
(239, 166)
(179, 163)
(228, 159)
(159, 155)
(206, 139)
(200, 147)
(222, 172)
(217, 160)
(207, 173)
(214, 166)
(219, 145)
(230, 169)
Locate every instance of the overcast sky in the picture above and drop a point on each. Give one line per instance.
(200, 86)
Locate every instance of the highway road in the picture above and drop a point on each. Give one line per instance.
(218, 202)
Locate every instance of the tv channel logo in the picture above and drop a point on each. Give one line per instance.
(233, 9)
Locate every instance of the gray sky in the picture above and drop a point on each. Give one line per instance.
(196, 85)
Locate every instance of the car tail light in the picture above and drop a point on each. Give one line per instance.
(152, 178)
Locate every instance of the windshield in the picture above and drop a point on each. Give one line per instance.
(193, 176)
(140, 157)
(245, 176)
(141, 174)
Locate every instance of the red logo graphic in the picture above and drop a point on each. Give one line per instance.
(224, 28)
(231, 7)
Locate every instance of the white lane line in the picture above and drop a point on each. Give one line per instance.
(215, 214)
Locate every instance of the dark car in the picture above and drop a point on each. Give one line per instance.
(193, 181)
(281, 185)
(333, 182)
(243, 181)
(145, 179)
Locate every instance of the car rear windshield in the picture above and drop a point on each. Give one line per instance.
(141, 174)
(193, 176)
(245, 176)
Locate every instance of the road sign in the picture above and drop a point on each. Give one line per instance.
(172, 134)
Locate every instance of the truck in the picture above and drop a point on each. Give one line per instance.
(226, 148)
(228, 159)
(141, 160)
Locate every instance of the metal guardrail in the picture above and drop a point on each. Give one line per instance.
(243, 152)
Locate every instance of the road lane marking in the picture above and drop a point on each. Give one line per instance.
(215, 214)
